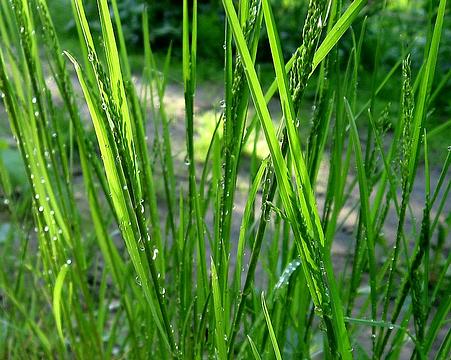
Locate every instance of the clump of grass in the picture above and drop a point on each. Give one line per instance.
(125, 278)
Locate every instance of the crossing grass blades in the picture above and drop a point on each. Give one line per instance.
(91, 254)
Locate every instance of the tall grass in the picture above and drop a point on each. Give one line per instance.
(120, 275)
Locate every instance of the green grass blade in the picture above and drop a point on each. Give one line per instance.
(340, 27)
(365, 212)
(245, 221)
(272, 335)
(57, 300)
(220, 334)
(121, 207)
(309, 212)
(253, 348)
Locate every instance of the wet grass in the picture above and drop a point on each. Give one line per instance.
(125, 261)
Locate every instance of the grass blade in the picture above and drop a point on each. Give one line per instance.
(272, 335)
(57, 301)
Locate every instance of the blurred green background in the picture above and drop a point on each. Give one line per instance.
(400, 24)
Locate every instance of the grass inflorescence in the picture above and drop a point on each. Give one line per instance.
(126, 261)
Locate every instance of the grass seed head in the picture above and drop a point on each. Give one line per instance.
(304, 54)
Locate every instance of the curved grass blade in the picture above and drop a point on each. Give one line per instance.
(57, 294)
(331, 39)
(340, 27)
(121, 207)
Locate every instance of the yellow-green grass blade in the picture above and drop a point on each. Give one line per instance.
(331, 39)
(57, 299)
(127, 222)
(253, 348)
(115, 73)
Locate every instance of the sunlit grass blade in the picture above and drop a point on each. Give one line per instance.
(57, 299)
(340, 27)
(122, 209)
(309, 214)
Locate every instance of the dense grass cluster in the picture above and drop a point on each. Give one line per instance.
(126, 262)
